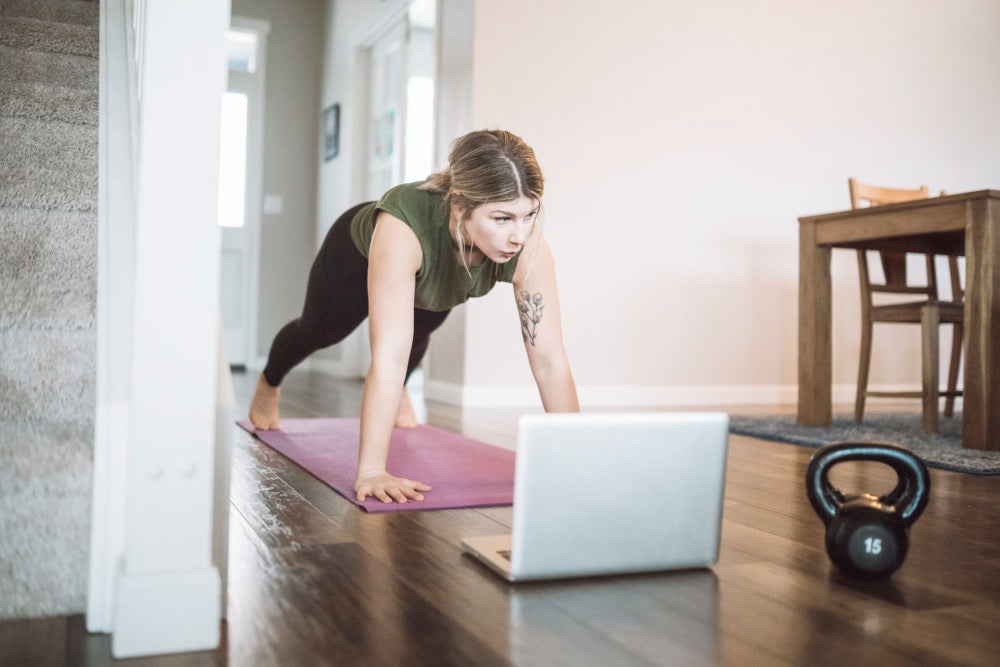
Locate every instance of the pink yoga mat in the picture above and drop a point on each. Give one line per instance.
(462, 472)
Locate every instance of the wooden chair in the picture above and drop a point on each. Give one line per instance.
(929, 312)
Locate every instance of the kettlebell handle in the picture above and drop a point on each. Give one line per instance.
(911, 490)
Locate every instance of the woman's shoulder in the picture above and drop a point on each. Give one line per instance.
(418, 208)
(406, 193)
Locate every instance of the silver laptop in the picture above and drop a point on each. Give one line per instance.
(599, 494)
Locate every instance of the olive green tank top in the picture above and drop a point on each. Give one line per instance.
(442, 281)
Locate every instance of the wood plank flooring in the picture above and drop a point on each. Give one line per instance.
(315, 581)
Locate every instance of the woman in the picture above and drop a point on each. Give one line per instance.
(404, 262)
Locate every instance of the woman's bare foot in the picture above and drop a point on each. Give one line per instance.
(406, 416)
(264, 406)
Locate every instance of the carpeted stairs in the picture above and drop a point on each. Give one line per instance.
(48, 284)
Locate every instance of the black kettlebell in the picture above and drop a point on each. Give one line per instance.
(866, 536)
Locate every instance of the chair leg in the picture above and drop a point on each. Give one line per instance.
(930, 321)
(956, 359)
(863, 366)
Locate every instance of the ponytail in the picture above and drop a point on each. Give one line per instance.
(439, 182)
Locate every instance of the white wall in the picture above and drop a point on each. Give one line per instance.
(455, 23)
(681, 141)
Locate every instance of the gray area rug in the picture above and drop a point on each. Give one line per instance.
(943, 450)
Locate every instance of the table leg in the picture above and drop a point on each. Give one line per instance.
(930, 325)
(981, 390)
(815, 337)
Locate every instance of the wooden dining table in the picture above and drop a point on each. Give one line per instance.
(960, 224)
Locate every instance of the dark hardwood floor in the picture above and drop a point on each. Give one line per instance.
(315, 581)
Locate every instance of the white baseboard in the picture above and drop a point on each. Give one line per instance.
(622, 396)
(632, 396)
(481, 397)
(166, 612)
(329, 366)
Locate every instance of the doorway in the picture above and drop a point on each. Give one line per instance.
(398, 65)
(240, 176)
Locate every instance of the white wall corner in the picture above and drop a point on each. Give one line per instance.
(225, 412)
(115, 258)
(107, 536)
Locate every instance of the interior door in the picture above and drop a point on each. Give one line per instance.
(386, 121)
(387, 109)
(399, 121)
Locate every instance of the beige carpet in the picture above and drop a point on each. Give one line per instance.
(48, 278)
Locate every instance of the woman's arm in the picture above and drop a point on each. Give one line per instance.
(538, 307)
(393, 261)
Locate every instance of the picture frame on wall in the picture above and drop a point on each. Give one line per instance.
(331, 132)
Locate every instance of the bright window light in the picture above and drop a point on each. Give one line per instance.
(419, 120)
(233, 160)
(241, 49)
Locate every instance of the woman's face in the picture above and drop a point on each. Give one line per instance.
(500, 229)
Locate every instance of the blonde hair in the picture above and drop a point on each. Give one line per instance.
(487, 166)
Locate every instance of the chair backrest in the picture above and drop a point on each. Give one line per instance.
(893, 262)
(875, 195)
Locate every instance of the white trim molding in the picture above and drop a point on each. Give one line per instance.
(157, 612)
(153, 583)
(631, 396)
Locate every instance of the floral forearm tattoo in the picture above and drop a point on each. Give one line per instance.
(530, 307)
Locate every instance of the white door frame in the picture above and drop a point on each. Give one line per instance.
(254, 86)
(355, 351)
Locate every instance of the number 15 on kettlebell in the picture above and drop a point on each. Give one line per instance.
(866, 535)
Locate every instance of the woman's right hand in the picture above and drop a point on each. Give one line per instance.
(388, 488)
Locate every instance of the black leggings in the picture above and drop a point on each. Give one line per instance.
(336, 303)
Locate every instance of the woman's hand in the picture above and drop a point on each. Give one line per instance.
(388, 488)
